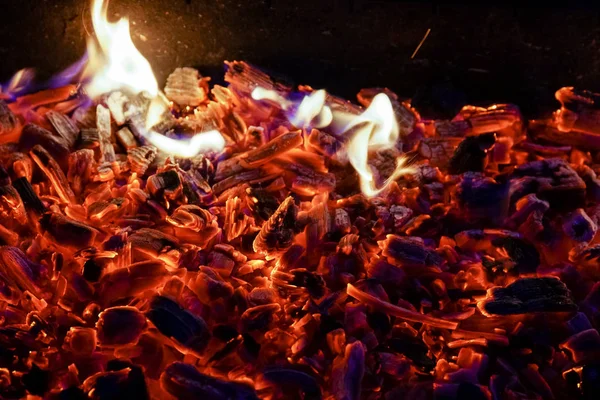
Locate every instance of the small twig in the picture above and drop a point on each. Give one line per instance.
(420, 44)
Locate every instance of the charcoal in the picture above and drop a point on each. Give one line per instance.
(81, 341)
(152, 242)
(65, 128)
(177, 323)
(258, 318)
(8, 121)
(135, 385)
(37, 381)
(590, 380)
(33, 135)
(555, 181)
(166, 184)
(314, 283)
(524, 254)
(53, 172)
(483, 199)
(412, 348)
(111, 323)
(18, 274)
(409, 250)
(92, 271)
(126, 139)
(347, 373)
(290, 380)
(579, 226)
(184, 381)
(140, 158)
(183, 87)
(274, 148)
(471, 154)
(126, 383)
(67, 232)
(245, 77)
(527, 295)
(277, 233)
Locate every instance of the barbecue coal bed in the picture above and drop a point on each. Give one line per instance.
(182, 216)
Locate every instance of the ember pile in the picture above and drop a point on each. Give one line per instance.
(324, 249)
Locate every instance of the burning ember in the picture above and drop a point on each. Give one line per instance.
(264, 241)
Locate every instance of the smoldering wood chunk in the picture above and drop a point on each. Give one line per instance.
(229, 167)
(263, 203)
(259, 318)
(121, 380)
(548, 131)
(245, 77)
(278, 232)
(126, 138)
(131, 281)
(165, 184)
(183, 87)
(18, 274)
(308, 181)
(406, 116)
(33, 135)
(67, 232)
(117, 102)
(192, 217)
(235, 180)
(554, 180)
(140, 158)
(84, 117)
(293, 381)
(482, 198)
(579, 226)
(81, 168)
(16, 163)
(120, 325)
(580, 110)
(28, 195)
(184, 381)
(523, 253)
(438, 151)
(347, 372)
(90, 139)
(103, 211)
(65, 128)
(195, 188)
(236, 221)
(8, 120)
(583, 346)
(471, 154)
(12, 208)
(312, 281)
(53, 172)
(152, 242)
(175, 322)
(272, 149)
(409, 250)
(528, 295)
(103, 123)
(324, 143)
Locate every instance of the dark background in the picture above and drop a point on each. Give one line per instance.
(477, 52)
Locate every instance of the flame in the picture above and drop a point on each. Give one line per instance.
(375, 129)
(116, 64)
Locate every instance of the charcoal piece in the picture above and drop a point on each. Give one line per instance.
(590, 380)
(483, 199)
(263, 203)
(152, 242)
(554, 180)
(183, 87)
(134, 386)
(140, 158)
(37, 381)
(8, 120)
(124, 384)
(579, 226)
(276, 147)
(53, 172)
(523, 253)
(64, 127)
(175, 322)
(166, 184)
(18, 274)
(57, 146)
(528, 295)
(67, 232)
(258, 318)
(471, 153)
(278, 232)
(92, 270)
(313, 282)
(291, 381)
(184, 381)
(72, 393)
(244, 77)
(120, 325)
(409, 251)
(347, 372)
(225, 332)
(411, 347)
(90, 139)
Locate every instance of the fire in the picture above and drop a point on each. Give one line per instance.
(374, 130)
(116, 64)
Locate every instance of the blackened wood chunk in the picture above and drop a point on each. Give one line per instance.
(553, 180)
(471, 153)
(278, 232)
(482, 198)
(184, 381)
(528, 295)
(66, 231)
(523, 253)
(175, 322)
(410, 250)
(28, 195)
(8, 121)
(56, 145)
(292, 381)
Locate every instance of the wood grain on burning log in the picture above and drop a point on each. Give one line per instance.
(65, 128)
(272, 149)
(103, 124)
(140, 158)
(245, 77)
(55, 145)
(8, 122)
(277, 233)
(183, 87)
(66, 232)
